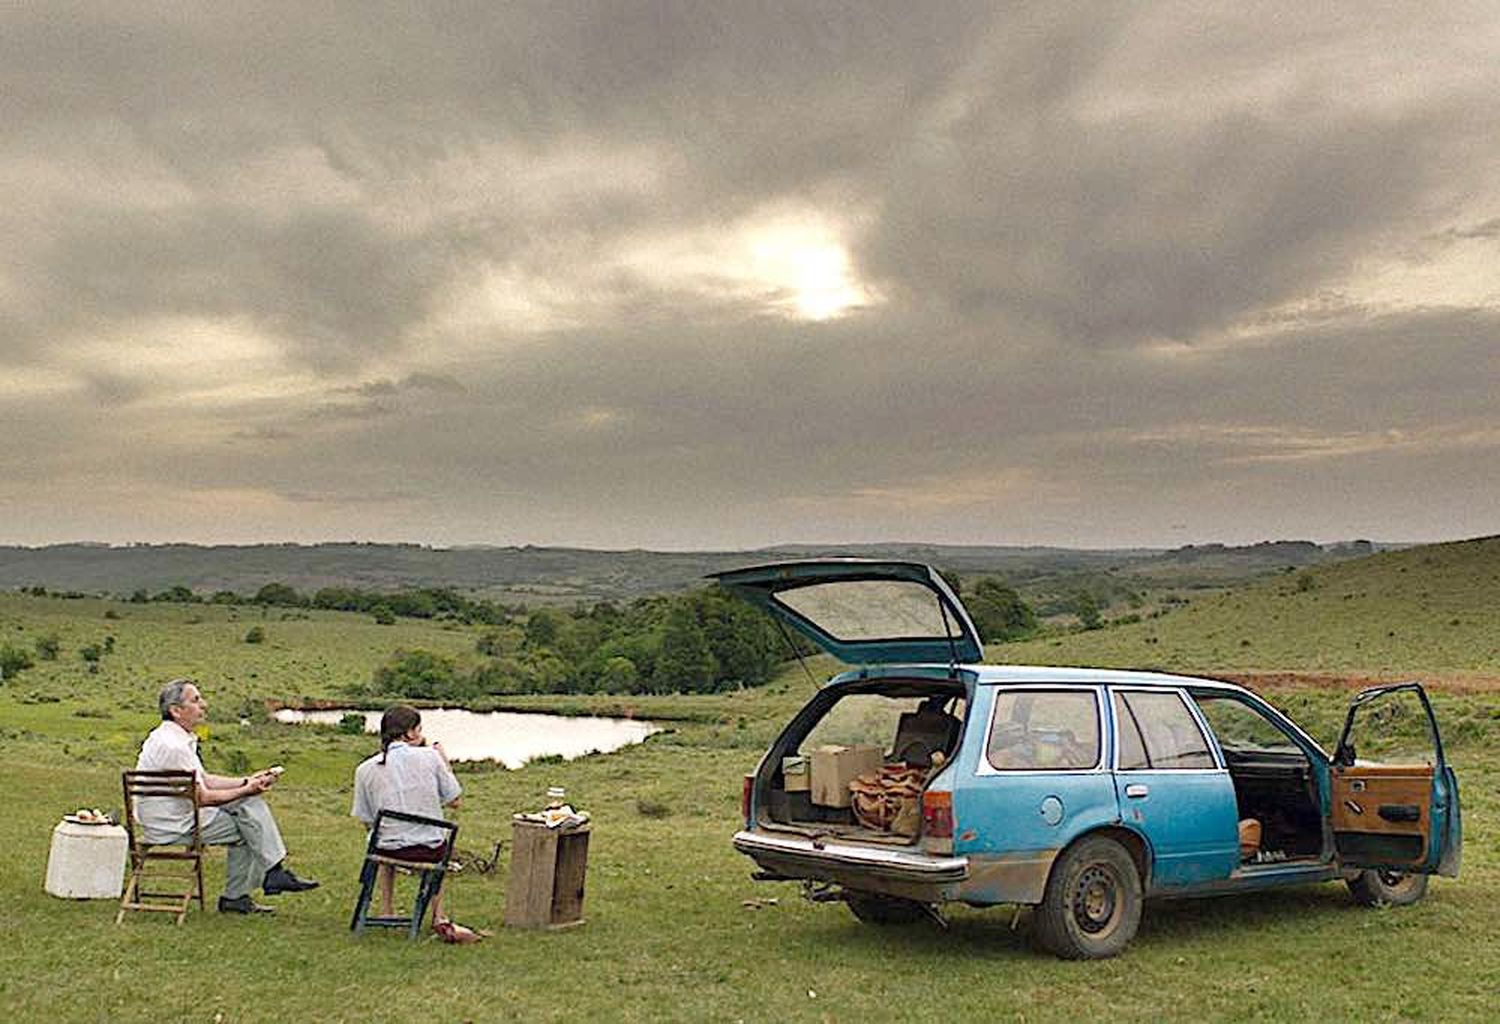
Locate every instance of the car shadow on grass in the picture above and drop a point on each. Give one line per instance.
(1002, 932)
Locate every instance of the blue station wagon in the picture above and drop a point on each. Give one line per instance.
(922, 777)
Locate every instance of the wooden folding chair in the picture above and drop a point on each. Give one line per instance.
(431, 874)
(153, 865)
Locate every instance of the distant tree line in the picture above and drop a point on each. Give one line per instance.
(702, 642)
(420, 603)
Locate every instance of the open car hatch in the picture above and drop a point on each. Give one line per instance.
(864, 612)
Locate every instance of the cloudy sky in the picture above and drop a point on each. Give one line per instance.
(690, 275)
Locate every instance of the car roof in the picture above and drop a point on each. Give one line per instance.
(990, 675)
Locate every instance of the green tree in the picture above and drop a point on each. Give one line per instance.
(1086, 607)
(619, 675)
(421, 674)
(545, 627)
(685, 664)
(998, 611)
(745, 644)
(383, 615)
(278, 594)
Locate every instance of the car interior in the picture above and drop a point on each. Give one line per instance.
(1274, 786)
(887, 738)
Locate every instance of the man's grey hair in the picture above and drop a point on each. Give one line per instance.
(172, 696)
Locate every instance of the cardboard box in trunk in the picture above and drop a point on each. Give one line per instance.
(835, 766)
(794, 774)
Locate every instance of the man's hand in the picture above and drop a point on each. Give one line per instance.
(261, 781)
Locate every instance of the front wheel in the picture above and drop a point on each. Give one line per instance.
(1387, 888)
(1092, 905)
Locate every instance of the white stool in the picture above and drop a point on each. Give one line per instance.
(87, 862)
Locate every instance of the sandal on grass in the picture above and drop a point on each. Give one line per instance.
(453, 932)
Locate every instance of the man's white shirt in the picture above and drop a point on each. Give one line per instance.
(170, 747)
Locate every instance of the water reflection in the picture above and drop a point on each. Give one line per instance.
(508, 737)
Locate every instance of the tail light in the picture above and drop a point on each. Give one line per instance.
(937, 814)
(746, 789)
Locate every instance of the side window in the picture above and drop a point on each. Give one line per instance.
(1044, 730)
(1240, 727)
(1158, 731)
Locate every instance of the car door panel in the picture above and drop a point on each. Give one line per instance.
(1402, 815)
(1382, 812)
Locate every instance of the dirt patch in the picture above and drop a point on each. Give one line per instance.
(1436, 682)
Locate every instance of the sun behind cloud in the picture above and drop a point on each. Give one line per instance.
(808, 264)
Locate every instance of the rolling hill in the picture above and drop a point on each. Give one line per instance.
(1434, 608)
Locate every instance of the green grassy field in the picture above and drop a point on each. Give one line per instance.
(1433, 609)
(669, 935)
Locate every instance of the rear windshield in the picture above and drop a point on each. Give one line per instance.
(870, 609)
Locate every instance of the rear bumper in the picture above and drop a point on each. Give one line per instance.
(899, 872)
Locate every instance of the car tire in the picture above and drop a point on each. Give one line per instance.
(883, 910)
(1091, 907)
(1387, 888)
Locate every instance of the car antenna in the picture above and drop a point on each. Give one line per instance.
(795, 653)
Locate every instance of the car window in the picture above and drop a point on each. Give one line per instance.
(870, 609)
(1240, 727)
(1044, 729)
(906, 728)
(1157, 731)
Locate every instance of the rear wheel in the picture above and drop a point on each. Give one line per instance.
(1387, 888)
(884, 910)
(1092, 905)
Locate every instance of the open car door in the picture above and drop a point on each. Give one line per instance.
(863, 612)
(1400, 813)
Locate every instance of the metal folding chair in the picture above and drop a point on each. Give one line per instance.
(430, 881)
(153, 864)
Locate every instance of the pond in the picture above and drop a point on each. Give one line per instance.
(508, 737)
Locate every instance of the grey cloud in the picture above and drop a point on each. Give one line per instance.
(1489, 229)
(1041, 194)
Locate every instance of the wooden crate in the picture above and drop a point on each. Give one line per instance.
(547, 869)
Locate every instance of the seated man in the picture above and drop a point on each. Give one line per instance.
(233, 812)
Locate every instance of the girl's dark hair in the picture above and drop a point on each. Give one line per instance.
(398, 720)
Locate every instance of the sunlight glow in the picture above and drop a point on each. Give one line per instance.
(808, 266)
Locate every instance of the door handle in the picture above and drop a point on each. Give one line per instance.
(1136, 790)
(1400, 812)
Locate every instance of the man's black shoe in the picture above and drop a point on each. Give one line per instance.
(279, 880)
(242, 905)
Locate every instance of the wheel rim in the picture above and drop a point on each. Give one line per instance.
(1096, 899)
(1399, 883)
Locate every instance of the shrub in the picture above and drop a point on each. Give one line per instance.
(48, 646)
(1087, 610)
(647, 808)
(352, 724)
(13, 661)
(420, 674)
(256, 635)
(998, 611)
(383, 615)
